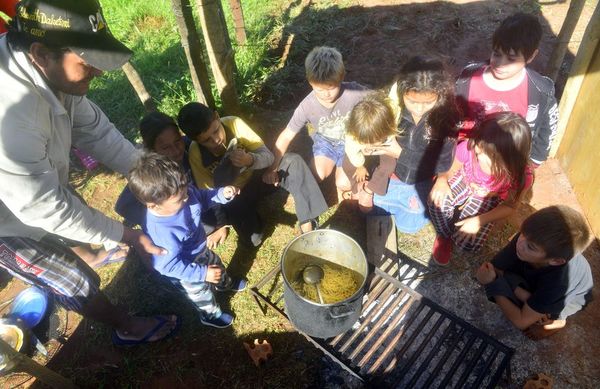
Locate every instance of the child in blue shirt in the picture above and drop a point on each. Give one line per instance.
(173, 209)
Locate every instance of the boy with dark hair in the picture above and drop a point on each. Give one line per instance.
(161, 134)
(227, 151)
(506, 84)
(540, 278)
(173, 221)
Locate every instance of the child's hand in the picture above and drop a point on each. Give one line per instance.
(361, 174)
(229, 192)
(240, 158)
(467, 229)
(213, 274)
(271, 177)
(217, 237)
(392, 149)
(441, 190)
(486, 273)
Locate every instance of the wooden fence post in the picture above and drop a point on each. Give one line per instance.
(564, 36)
(136, 81)
(237, 14)
(220, 52)
(193, 51)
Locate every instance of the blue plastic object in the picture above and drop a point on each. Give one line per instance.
(30, 306)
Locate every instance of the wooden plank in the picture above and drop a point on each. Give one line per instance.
(382, 243)
(578, 72)
(25, 364)
(578, 149)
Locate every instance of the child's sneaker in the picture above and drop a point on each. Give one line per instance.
(223, 321)
(236, 286)
(442, 250)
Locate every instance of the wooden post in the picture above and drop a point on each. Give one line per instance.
(587, 47)
(220, 52)
(564, 37)
(25, 364)
(193, 51)
(237, 14)
(136, 81)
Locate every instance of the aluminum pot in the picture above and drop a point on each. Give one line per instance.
(322, 247)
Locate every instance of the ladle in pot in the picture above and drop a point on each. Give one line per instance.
(312, 275)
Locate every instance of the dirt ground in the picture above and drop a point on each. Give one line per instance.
(376, 37)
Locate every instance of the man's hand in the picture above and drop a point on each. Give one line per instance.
(230, 191)
(486, 273)
(361, 174)
(441, 190)
(271, 177)
(217, 237)
(240, 158)
(141, 243)
(213, 274)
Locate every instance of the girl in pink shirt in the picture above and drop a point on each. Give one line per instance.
(489, 173)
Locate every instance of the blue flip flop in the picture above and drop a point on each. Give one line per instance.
(109, 258)
(118, 341)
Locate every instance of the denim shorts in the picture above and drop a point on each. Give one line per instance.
(332, 149)
(407, 203)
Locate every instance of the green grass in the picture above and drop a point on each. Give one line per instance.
(148, 28)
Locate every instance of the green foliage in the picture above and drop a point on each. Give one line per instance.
(148, 28)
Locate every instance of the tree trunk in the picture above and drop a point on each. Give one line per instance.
(136, 81)
(220, 52)
(193, 51)
(238, 21)
(564, 36)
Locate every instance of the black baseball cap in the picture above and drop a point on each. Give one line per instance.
(75, 24)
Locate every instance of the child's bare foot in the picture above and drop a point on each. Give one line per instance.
(544, 328)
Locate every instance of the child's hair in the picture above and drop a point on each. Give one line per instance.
(371, 120)
(152, 125)
(520, 32)
(324, 65)
(505, 137)
(560, 231)
(195, 118)
(155, 178)
(428, 75)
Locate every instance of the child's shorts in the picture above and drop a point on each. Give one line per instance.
(329, 148)
(407, 203)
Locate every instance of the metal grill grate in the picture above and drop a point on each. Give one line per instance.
(404, 340)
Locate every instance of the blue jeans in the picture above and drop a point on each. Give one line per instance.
(407, 203)
(332, 149)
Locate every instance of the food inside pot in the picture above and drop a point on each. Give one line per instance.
(338, 283)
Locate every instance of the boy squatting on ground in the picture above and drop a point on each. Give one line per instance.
(215, 164)
(327, 109)
(540, 278)
(173, 221)
(506, 84)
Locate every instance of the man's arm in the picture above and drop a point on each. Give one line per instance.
(96, 135)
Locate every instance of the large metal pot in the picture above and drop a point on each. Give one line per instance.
(322, 247)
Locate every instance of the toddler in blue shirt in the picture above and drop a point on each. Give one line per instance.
(172, 220)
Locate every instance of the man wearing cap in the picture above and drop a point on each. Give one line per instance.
(53, 49)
